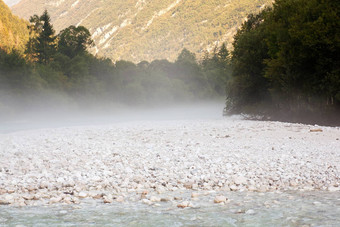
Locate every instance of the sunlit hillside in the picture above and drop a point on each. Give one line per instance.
(148, 29)
(13, 31)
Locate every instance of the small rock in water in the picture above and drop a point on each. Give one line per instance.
(250, 211)
(220, 199)
(240, 211)
(146, 201)
(154, 199)
(165, 199)
(184, 204)
(4, 202)
(120, 199)
(108, 199)
(63, 212)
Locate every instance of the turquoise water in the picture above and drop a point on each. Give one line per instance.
(244, 209)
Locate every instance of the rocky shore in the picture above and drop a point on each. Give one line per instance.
(144, 161)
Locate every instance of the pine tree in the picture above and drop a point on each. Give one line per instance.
(46, 47)
(41, 46)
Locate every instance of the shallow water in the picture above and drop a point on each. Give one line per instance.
(244, 209)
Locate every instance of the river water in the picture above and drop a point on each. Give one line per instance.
(244, 209)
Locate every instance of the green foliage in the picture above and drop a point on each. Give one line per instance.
(217, 69)
(60, 69)
(74, 41)
(248, 86)
(41, 45)
(13, 32)
(287, 58)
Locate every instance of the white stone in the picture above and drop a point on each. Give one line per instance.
(220, 199)
(82, 195)
(240, 180)
(155, 199)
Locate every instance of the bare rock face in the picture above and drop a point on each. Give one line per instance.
(143, 23)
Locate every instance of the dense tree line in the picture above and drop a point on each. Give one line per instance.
(60, 70)
(286, 61)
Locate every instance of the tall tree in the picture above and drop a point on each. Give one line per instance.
(41, 46)
(74, 40)
(248, 85)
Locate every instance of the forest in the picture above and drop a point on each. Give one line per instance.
(58, 70)
(284, 65)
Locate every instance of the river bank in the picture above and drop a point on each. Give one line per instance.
(150, 158)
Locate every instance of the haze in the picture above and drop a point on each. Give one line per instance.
(66, 116)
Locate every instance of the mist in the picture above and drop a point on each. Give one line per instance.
(43, 114)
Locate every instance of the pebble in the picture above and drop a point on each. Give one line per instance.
(194, 195)
(4, 202)
(63, 212)
(220, 199)
(333, 189)
(147, 202)
(107, 200)
(120, 199)
(250, 211)
(82, 195)
(130, 158)
(55, 200)
(240, 180)
(155, 199)
(184, 204)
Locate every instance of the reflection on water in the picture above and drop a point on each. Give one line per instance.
(244, 209)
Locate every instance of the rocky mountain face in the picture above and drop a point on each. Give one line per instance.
(148, 29)
(13, 30)
(11, 2)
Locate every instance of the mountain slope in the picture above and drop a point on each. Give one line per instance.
(11, 2)
(13, 30)
(148, 29)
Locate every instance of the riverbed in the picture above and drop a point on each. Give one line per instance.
(208, 172)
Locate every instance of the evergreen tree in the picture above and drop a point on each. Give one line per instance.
(41, 46)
